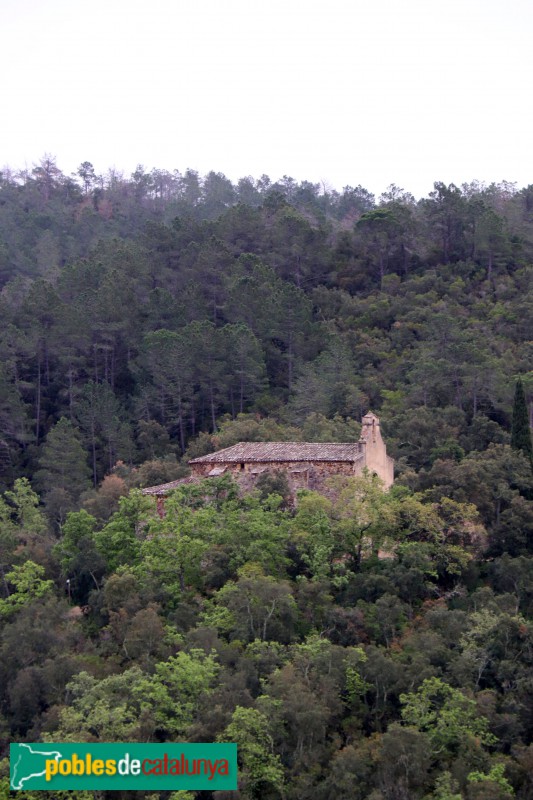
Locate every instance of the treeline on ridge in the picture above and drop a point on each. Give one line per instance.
(362, 646)
(168, 301)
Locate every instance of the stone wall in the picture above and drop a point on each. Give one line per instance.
(310, 474)
(300, 474)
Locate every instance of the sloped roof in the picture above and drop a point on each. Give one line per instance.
(164, 488)
(283, 451)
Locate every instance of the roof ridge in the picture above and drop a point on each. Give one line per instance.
(283, 451)
(282, 441)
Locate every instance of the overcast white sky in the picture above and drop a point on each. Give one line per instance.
(344, 91)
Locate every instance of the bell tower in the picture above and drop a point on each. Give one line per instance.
(376, 459)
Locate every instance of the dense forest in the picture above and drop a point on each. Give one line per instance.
(360, 646)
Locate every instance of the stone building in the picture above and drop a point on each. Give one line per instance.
(307, 465)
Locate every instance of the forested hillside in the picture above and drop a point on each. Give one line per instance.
(368, 647)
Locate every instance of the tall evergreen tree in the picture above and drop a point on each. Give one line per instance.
(520, 431)
(63, 461)
(64, 472)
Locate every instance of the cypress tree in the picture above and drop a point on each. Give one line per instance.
(520, 431)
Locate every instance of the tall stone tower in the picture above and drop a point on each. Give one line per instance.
(376, 458)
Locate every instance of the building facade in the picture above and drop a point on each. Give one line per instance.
(307, 465)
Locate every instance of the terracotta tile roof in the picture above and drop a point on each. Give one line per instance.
(283, 451)
(164, 488)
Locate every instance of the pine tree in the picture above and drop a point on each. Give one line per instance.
(63, 460)
(520, 431)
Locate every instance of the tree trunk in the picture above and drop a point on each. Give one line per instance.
(212, 404)
(180, 424)
(70, 394)
(38, 401)
(93, 446)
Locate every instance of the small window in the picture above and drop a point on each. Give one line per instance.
(242, 464)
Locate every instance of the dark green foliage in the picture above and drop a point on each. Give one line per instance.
(64, 473)
(279, 307)
(273, 483)
(233, 618)
(361, 645)
(520, 429)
